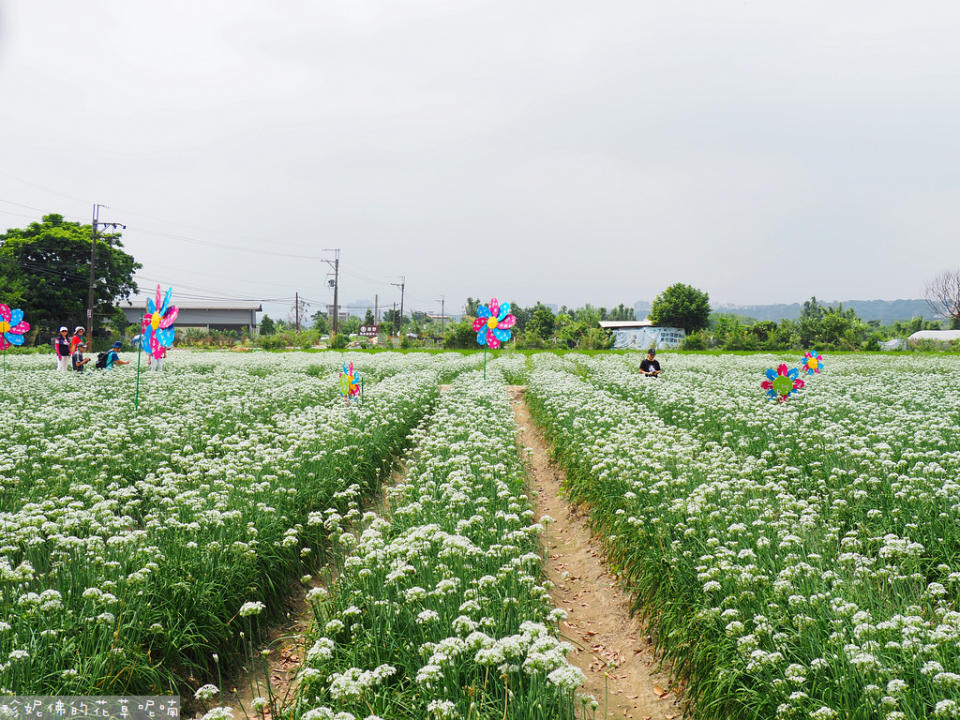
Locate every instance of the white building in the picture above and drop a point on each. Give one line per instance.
(230, 315)
(642, 335)
(937, 336)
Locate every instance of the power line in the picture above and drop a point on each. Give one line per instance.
(225, 246)
(44, 188)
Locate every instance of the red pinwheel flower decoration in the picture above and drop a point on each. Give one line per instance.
(493, 324)
(12, 326)
(156, 331)
(812, 362)
(783, 383)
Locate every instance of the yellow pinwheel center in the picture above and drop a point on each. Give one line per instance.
(492, 323)
(4, 326)
(155, 320)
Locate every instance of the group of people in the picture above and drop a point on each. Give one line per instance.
(70, 350)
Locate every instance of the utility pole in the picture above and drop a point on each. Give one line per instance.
(401, 285)
(335, 264)
(296, 302)
(376, 309)
(443, 315)
(93, 264)
(394, 318)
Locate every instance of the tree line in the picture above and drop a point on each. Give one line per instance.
(44, 269)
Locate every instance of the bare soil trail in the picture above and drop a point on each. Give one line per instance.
(284, 642)
(612, 647)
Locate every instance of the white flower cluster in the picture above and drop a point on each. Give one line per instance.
(118, 532)
(813, 543)
(446, 585)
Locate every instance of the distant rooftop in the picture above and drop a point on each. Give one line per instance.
(199, 304)
(937, 335)
(614, 324)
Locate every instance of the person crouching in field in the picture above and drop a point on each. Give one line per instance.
(78, 360)
(62, 346)
(113, 358)
(650, 367)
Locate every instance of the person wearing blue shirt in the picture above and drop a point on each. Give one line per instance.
(113, 358)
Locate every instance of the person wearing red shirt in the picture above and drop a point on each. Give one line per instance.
(77, 339)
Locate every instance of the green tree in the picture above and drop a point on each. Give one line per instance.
(621, 313)
(368, 318)
(810, 323)
(45, 269)
(321, 322)
(681, 306)
(460, 335)
(523, 316)
(589, 315)
(267, 326)
(812, 310)
(541, 322)
(392, 322)
(349, 326)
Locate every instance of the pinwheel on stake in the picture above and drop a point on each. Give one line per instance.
(782, 383)
(492, 326)
(351, 384)
(12, 328)
(156, 329)
(812, 362)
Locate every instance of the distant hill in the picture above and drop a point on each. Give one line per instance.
(886, 311)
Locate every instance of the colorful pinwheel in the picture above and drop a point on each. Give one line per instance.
(493, 324)
(349, 383)
(156, 330)
(782, 383)
(12, 327)
(812, 362)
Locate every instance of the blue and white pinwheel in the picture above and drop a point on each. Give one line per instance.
(782, 382)
(493, 324)
(156, 330)
(12, 326)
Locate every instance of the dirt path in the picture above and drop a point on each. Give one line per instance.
(612, 648)
(286, 640)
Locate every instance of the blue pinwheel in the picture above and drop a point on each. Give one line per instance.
(12, 326)
(782, 382)
(156, 330)
(493, 324)
(812, 362)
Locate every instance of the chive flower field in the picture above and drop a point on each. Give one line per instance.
(794, 560)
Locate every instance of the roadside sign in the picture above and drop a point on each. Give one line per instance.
(370, 331)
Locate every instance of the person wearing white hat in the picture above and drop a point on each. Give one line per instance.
(77, 339)
(62, 345)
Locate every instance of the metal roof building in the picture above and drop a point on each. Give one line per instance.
(943, 336)
(642, 335)
(227, 315)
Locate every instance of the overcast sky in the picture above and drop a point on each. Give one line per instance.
(558, 151)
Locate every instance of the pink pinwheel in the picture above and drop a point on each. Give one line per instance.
(812, 362)
(349, 382)
(12, 326)
(156, 332)
(783, 383)
(493, 324)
